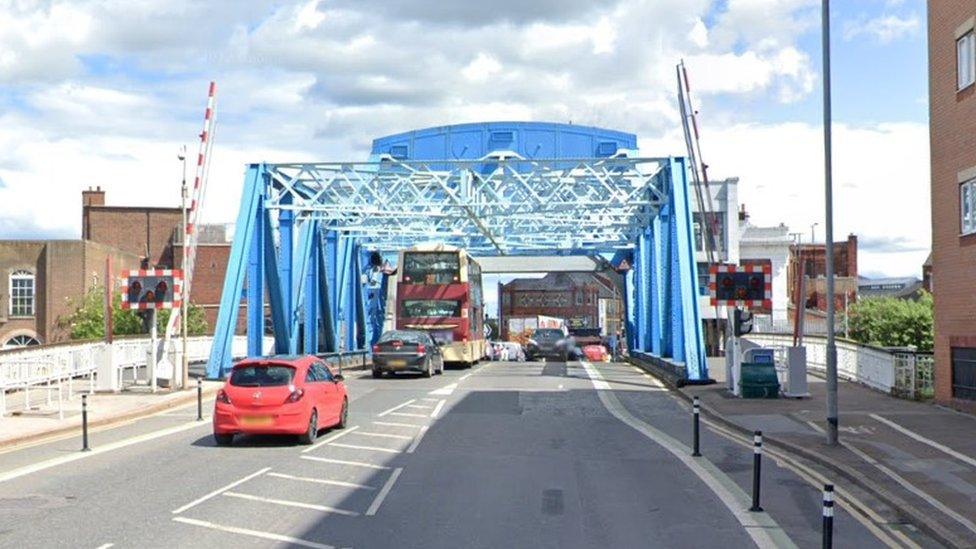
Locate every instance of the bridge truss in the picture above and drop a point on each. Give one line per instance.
(306, 234)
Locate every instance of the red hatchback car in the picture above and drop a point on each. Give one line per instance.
(281, 395)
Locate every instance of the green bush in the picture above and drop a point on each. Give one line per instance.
(88, 319)
(891, 322)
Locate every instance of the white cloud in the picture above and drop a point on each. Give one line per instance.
(481, 68)
(883, 29)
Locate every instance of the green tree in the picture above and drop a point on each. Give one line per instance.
(891, 322)
(88, 319)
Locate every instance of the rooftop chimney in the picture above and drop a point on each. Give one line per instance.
(92, 197)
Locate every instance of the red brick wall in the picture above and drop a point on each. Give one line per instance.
(952, 119)
(135, 230)
(208, 281)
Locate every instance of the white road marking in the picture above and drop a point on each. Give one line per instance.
(763, 530)
(445, 390)
(383, 435)
(416, 441)
(344, 462)
(97, 450)
(342, 483)
(395, 408)
(329, 439)
(219, 491)
(368, 448)
(430, 399)
(911, 487)
(420, 406)
(106, 546)
(385, 491)
(438, 408)
(287, 503)
(394, 424)
(816, 427)
(465, 376)
(912, 434)
(407, 414)
(254, 533)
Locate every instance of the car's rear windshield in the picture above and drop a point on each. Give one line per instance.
(548, 333)
(406, 337)
(262, 375)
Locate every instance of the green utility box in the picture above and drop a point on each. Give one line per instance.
(759, 380)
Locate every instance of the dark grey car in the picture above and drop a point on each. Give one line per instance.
(548, 343)
(407, 351)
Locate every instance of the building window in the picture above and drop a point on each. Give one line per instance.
(964, 373)
(966, 60)
(967, 207)
(19, 341)
(579, 299)
(22, 293)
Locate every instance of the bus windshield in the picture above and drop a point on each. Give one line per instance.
(431, 267)
(430, 308)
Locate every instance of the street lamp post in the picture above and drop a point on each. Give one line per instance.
(813, 233)
(184, 362)
(829, 232)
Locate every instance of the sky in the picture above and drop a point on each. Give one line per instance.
(104, 92)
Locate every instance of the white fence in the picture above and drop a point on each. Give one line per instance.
(53, 368)
(896, 373)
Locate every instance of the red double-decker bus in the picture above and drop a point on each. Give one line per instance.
(439, 291)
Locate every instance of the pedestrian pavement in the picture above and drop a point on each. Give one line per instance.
(916, 457)
(42, 420)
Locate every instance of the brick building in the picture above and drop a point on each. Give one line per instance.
(42, 281)
(952, 134)
(582, 299)
(814, 259)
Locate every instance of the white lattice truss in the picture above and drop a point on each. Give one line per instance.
(496, 206)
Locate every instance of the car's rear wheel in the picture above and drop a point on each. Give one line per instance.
(310, 434)
(430, 369)
(224, 439)
(377, 374)
(343, 415)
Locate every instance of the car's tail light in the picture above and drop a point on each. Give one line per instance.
(421, 349)
(222, 397)
(376, 348)
(296, 395)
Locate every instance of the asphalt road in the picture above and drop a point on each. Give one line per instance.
(501, 455)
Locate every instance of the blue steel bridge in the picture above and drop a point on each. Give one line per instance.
(309, 237)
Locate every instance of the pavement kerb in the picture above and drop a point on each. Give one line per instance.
(921, 521)
(189, 397)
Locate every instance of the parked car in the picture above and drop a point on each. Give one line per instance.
(407, 351)
(280, 395)
(507, 351)
(596, 353)
(549, 343)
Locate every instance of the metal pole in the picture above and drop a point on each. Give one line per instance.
(199, 399)
(84, 423)
(696, 411)
(151, 356)
(829, 237)
(828, 516)
(185, 301)
(756, 470)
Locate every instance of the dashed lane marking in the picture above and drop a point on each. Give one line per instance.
(419, 406)
(407, 414)
(341, 483)
(368, 448)
(445, 390)
(253, 533)
(219, 491)
(345, 462)
(287, 503)
(329, 439)
(395, 408)
(384, 435)
(395, 424)
(438, 408)
(385, 491)
(416, 441)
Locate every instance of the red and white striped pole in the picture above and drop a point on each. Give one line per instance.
(190, 232)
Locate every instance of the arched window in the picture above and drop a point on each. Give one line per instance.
(22, 293)
(20, 341)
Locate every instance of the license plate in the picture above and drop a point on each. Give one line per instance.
(398, 363)
(257, 421)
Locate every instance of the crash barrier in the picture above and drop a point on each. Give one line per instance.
(902, 373)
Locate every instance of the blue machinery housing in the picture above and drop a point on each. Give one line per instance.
(310, 238)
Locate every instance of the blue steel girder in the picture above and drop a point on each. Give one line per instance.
(325, 297)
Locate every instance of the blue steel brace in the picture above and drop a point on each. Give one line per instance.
(656, 318)
(330, 343)
(335, 293)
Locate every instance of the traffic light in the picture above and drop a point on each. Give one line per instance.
(742, 321)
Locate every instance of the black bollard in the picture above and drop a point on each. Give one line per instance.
(756, 470)
(828, 516)
(696, 412)
(84, 423)
(199, 399)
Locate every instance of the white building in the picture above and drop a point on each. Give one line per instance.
(773, 244)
